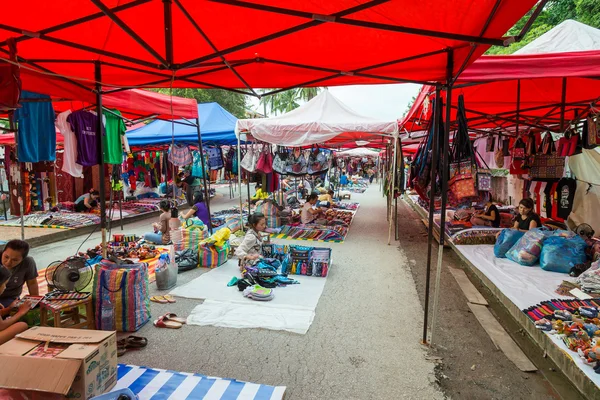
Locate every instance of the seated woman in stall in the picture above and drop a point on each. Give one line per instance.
(326, 200)
(161, 233)
(310, 214)
(489, 217)
(22, 269)
(250, 247)
(10, 325)
(87, 202)
(527, 218)
(199, 210)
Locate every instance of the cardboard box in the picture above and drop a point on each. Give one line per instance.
(59, 363)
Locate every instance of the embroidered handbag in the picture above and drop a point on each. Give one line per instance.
(462, 188)
(265, 161)
(318, 162)
(215, 158)
(279, 161)
(593, 130)
(250, 159)
(463, 168)
(547, 166)
(296, 163)
(484, 180)
(180, 155)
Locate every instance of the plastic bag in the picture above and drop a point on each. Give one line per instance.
(560, 254)
(528, 249)
(506, 240)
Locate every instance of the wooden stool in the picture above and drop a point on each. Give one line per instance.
(67, 313)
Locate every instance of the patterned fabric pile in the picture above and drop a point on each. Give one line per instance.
(314, 232)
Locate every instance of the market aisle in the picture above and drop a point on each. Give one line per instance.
(363, 343)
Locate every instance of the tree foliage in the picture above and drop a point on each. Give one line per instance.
(288, 100)
(233, 102)
(555, 12)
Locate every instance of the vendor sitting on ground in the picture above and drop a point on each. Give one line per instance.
(10, 327)
(161, 233)
(309, 214)
(251, 245)
(326, 200)
(527, 219)
(87, 202)
(199, 209)
(489, 217)
(259, 195)
(22, 270)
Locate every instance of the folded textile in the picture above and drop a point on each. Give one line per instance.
(258, 293)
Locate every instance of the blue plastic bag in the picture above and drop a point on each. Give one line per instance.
(560, 254)
(506, 240)
(528, 249)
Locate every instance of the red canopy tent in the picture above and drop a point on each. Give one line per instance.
(242, 44)
(494, 87)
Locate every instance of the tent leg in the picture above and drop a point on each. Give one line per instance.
(11, 121)
(446, 140)
(102, 189)
(391, 193)
(248, 186)
(434, 156)
(206, 190)
(239, 174)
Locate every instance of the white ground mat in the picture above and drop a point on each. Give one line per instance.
(524, 286)
(292, 309)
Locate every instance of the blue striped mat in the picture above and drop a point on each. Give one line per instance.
(160, 384)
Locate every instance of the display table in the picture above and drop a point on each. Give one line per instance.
(74, 313)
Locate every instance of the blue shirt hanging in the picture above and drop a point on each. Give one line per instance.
(36, 132)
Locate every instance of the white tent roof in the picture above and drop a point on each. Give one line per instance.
(319, 120)
(361, 152)
(565, 37)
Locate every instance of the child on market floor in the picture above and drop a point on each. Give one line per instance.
(10, 327)
(251, 245)
(161, 233)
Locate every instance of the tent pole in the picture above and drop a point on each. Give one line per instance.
(446, 140)
(518, 116)
(435, 131)
(248, 185)
(21, 199)
(102, 188)
(391, 192)
(206, 192)
(239, 174)
(563, 99)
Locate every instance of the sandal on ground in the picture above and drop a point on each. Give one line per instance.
(169, 298)
(174, 317)
(121, 347)
(162, 323)
(159, 299)
(135, 342)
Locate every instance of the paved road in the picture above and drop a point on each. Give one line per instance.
(363, 343)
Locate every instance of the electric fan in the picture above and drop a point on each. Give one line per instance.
(71, 275)
(585, 231)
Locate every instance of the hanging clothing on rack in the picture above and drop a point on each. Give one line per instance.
(69, 159)
(113, 143)
(85, 124)
(215, 158)
(180, 155)
(36, 133)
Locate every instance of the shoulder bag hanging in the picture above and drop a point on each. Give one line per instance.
(250, 159)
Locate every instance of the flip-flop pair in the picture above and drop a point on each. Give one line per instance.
(163, 299)
(130, 342)
(169, 320)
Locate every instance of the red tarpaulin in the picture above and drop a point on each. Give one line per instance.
(254, 44)
(493, 102)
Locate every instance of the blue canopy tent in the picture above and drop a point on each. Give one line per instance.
(217, 126)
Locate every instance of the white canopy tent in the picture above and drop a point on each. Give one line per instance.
(360, 152)
(318, 121)
(568, 36)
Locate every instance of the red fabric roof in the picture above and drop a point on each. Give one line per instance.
(494, 102)
(269, 43)
(133, 103)
(7, 139)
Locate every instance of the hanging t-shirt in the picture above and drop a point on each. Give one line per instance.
(70, 165)
(36, 132)
(85, 124)
(548, 199)
(113, 144)
(566, 193)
